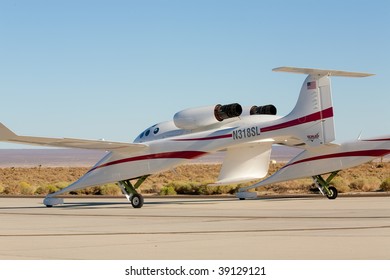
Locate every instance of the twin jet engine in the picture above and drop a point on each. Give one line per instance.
(194, 118)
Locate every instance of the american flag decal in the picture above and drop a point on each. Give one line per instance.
(311, 85)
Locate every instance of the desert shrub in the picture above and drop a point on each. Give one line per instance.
(44, 190)
(206, 190)
(110, 189)
(167, 190)
(186, 188)
(385, 186)
(61, 185)
(277, 188)
(92, 191)
(357, 184)
(87, 191)
(365, 185)
(372, 184)
(232, 189)
(26, 188)
(14, 190)
(197, 188)
(225, 189)
(152, 189)
(341, 185)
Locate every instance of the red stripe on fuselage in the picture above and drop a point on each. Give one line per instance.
(166, 155)
(327, 113)
(363, 153)
(379, 140)
(206, 138)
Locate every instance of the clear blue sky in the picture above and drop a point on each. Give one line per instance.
(109, 69)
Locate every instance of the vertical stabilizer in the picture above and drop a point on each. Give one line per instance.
(314, 110)
(313, 113)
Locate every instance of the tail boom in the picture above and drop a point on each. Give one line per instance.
(329, 158)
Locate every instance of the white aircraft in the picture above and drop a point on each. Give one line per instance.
(245, 133)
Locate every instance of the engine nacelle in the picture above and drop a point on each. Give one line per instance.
(204, 116)
(263, 110)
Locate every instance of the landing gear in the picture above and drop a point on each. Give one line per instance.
(130, 191)
(324, 185)
(137, 200)
(333, 193)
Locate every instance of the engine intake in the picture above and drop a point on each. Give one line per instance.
(263, 110)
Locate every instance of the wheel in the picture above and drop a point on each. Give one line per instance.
(333, 193)
(49, 206)
(137, 200)
(242, 198)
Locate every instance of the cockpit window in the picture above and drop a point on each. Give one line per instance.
(147, 132)
(142, 135)
(156, 130)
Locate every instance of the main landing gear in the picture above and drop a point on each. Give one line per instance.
(130, 191)
(324, 185)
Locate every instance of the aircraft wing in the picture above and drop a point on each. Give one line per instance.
(7, 135)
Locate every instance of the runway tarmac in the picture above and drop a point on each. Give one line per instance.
(196, 228)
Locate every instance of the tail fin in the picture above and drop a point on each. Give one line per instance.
(314, 108)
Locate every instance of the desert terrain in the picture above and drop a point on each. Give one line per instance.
(191, 179)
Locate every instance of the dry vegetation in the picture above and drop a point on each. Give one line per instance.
(186, 179)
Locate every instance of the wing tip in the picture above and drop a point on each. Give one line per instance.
(6, 133)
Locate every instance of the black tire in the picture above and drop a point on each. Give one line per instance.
(241, 198)
(49, 206)
(333, 193)
(137, 201)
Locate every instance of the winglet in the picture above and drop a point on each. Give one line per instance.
(321, 72)
(6, 133)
